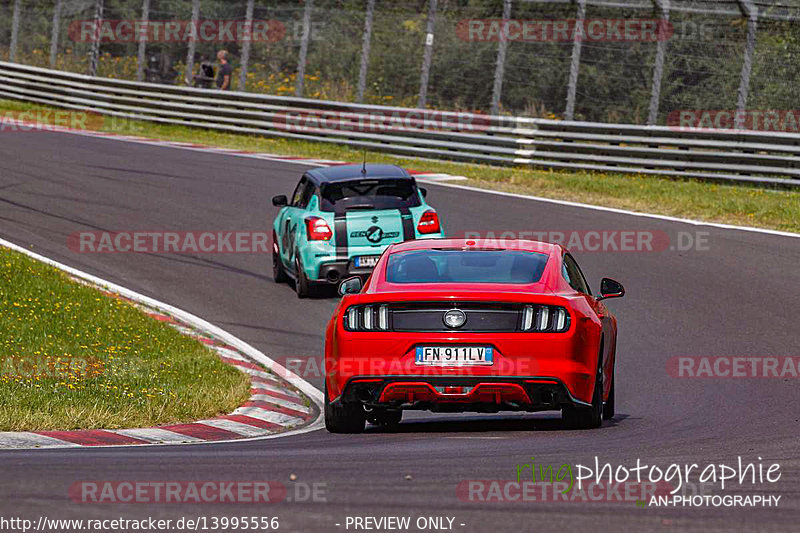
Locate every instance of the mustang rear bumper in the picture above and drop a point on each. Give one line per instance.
(459, 393)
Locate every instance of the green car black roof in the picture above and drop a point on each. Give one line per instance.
(350, 172)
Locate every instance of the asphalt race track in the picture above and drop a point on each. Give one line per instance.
(737, 297)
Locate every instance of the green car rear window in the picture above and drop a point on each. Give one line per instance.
(369, 194)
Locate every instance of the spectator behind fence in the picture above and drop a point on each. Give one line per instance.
(225, 71)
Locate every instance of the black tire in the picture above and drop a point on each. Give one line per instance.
(385, 417)
(344, 418)
(278, 273)
(301, 284)
(580, 417)
(609, 406)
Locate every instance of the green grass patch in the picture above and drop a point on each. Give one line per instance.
(73, 358)
(712, 202)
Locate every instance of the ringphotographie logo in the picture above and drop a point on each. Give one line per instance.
(167, 242)
(564, 30)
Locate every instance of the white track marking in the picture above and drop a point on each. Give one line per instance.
(280, 403)
(269, 416)
(271, 388)
(235, 427)
(24, 439)
(230, 354)
(156, 435)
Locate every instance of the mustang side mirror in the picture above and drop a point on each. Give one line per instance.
(610, 289)
(424, 192)
(280, 200)
(350, 286)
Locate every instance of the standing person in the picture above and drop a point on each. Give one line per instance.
(225, 71)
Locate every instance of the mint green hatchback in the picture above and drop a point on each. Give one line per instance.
(340, 220)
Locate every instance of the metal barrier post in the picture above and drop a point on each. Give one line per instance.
(428, 56)
(365, 45)
(751, 13)
(189, 73)
(658, 68)
(142, 39)
(94, 52)
(575, 63)
(246, 45)
(54, 33)
(301, 61)
(500, 67)
(12, 47)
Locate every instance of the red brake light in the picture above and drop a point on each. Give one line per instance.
(317, 229)
(428, 223)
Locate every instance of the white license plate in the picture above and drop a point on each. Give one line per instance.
(366, 261)
(454, 355)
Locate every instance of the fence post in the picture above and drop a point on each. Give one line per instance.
(751, 12)
(575, 63)
(54, 33)
(94, 51)
(365, 45)
(12, 48)
(658, 68)
(189, 72)
(141, 58)
(301, 61)
(248, 39)
(428, 56)
(500, 67)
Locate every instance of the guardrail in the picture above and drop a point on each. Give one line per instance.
(768, 158)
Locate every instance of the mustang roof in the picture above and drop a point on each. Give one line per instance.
(350, 172)
(502, 244)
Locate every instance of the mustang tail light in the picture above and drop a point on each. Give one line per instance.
(367, 318)
(317, 229)
(428, 223)
(544, 318)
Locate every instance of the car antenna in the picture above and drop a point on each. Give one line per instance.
(364, 164)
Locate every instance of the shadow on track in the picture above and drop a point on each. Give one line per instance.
(478, 424)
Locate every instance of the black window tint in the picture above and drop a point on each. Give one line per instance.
(369, 194)
(574, 276)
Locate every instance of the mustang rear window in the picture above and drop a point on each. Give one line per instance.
(369, 194)
(465, 266)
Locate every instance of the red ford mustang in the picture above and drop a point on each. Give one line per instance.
(452, 325)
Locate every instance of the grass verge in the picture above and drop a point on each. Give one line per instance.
(74, 358)
(712, 202)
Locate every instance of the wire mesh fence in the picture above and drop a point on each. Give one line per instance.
(617, 61)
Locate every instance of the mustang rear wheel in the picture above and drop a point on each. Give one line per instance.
(344, 418)
(580, 417)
